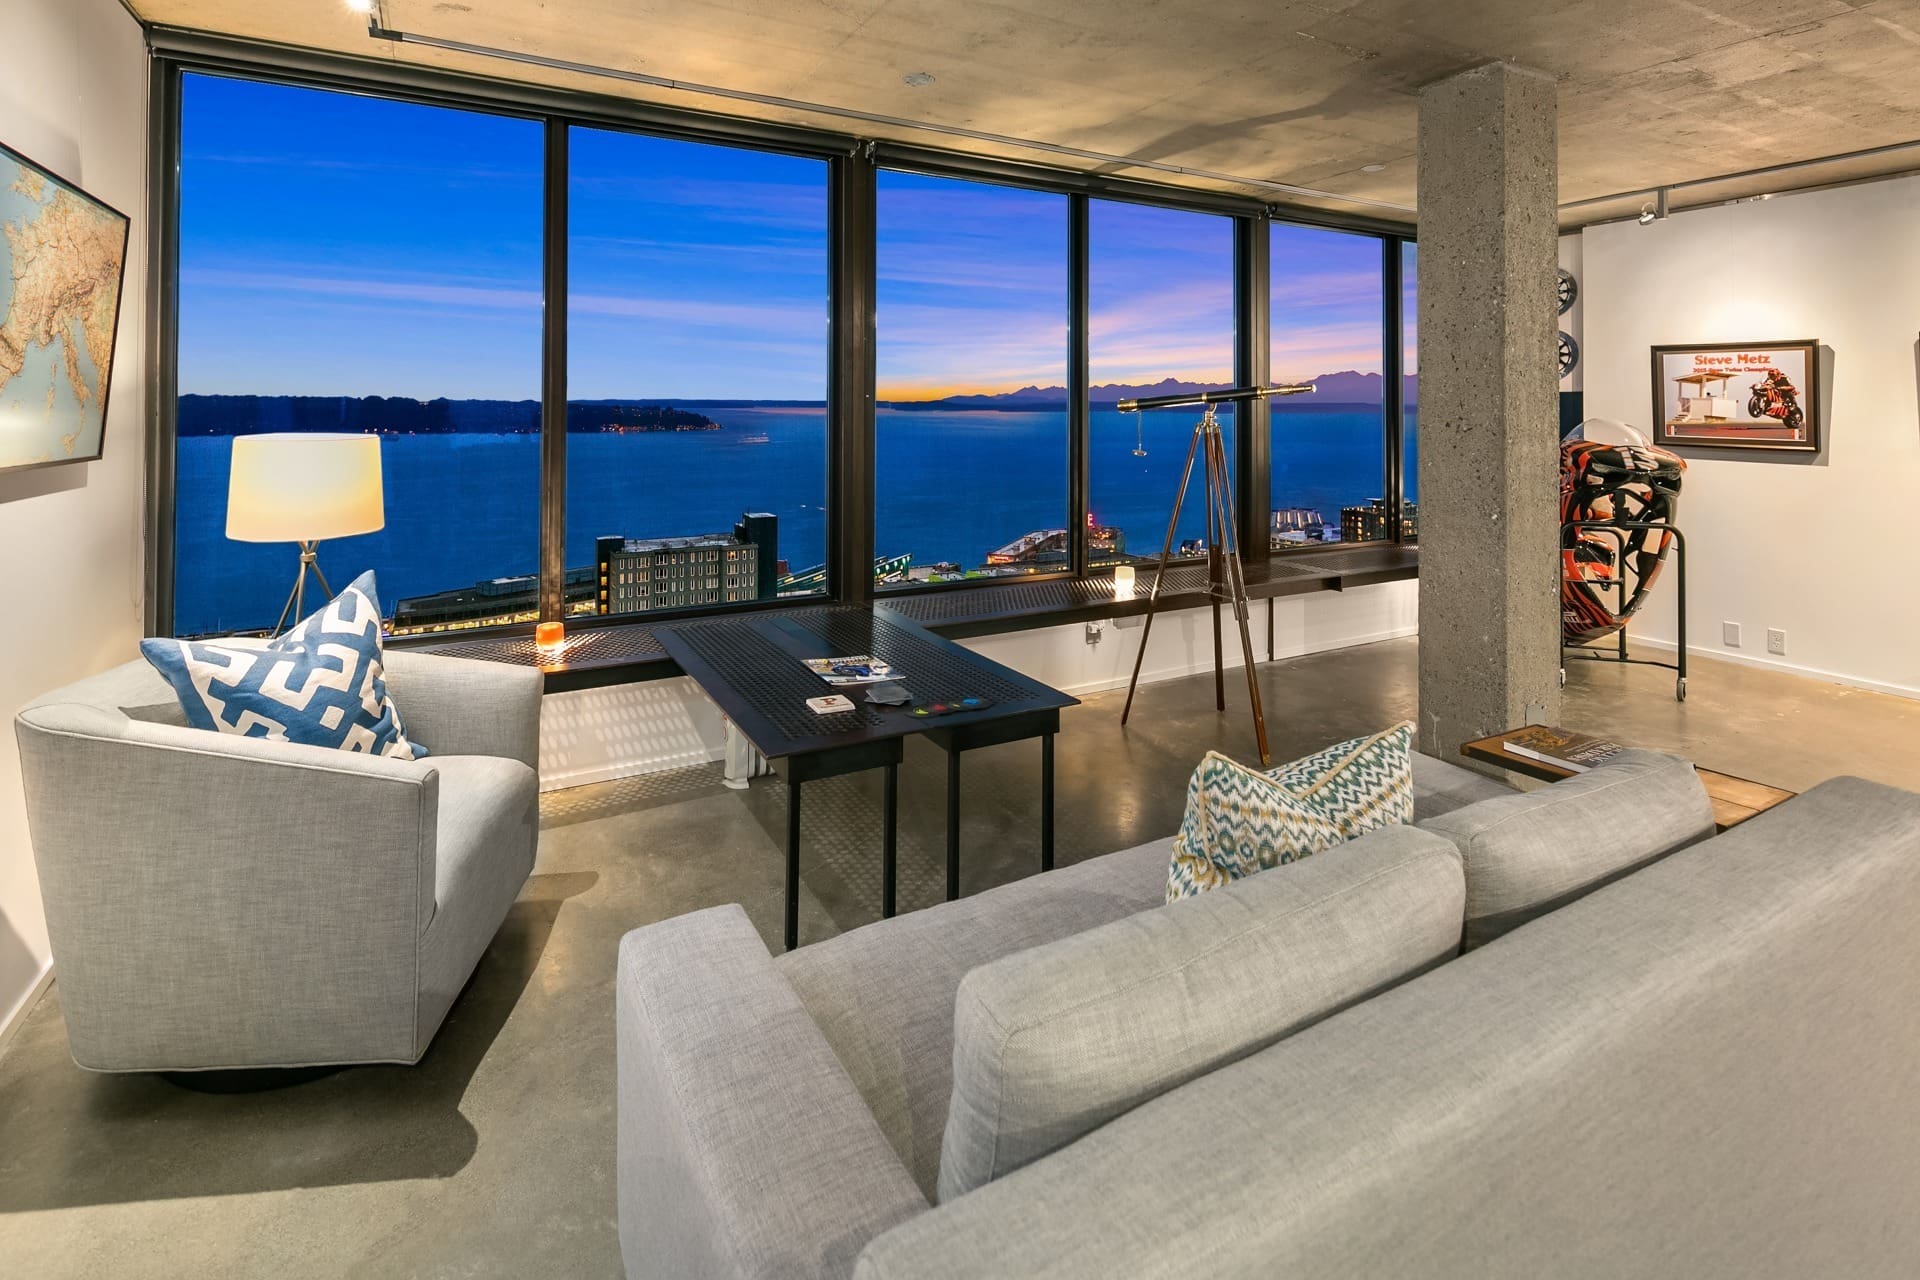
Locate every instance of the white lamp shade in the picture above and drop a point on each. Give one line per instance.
(304, 487)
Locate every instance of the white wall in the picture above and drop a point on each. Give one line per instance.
(595, 735)
(73, 98)
(598, 734)
(1820, 547)
(1183, 641)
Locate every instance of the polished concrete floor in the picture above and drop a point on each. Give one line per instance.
(494, 1156)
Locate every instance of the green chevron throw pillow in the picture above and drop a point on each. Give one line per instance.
(1240, 820)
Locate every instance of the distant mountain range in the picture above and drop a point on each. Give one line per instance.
(202, 415)
(1346, 387)
(394, 415)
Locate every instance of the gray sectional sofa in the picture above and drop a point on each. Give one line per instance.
(1569, 1033)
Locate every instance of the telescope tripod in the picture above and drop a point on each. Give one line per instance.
(1226, 577)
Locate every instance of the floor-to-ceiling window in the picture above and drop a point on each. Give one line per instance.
(1160, 288)
(376, 266)
(696, 374)
(363, 265)
(1329, 448)
(971, 431)
(1410, 364)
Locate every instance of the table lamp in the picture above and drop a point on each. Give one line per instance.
(304, 487)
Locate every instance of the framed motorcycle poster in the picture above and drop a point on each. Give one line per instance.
(1756, 395)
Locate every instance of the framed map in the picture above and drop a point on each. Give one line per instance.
(62, 255)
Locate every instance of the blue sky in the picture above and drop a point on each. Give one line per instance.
(333, 244)
(972, 290)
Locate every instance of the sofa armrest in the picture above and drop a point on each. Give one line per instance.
(744, 1149)
(219, 901)
(462, 707)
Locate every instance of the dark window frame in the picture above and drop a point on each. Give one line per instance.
(1393, 409)
(853, 166)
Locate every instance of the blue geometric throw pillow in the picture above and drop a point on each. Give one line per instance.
(321, 683)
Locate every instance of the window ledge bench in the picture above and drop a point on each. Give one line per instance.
(625, 653)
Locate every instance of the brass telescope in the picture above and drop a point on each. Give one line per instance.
(1230, 395)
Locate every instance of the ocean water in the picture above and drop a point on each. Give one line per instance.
(950, 485)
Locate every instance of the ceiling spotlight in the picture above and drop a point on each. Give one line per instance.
(360, 6)
(1372, 168)
(918, 79)
(1655, 209)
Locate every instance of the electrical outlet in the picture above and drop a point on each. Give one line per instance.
(1776, 642)
(1094, 631)
(1730, 634)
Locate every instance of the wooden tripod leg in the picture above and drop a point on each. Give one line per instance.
(1239, 590)
(1215, 577)
(1160, 574)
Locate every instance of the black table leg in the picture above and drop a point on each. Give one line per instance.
(1046, 802)
(793, 863)
(889, 848)
(953, 824)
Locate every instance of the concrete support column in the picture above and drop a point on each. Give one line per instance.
(1489, 409)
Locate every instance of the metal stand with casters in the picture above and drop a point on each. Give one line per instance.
(1620, 529)
(1225, 574)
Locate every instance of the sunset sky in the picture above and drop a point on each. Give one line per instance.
(341, 245)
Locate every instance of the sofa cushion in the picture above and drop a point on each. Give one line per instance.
(320, 684)
(1052, 1042)
(1529, 853)
(883, 994)
(1440, 787)
(1239, 820)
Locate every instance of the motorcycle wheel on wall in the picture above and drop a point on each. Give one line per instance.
(1755, 406)
(1795, 417)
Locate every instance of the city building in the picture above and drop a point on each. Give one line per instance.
(1297, 520)
(761, 531)
(636, 575)
(886, 569)
(1296, 526)
(496, 602)
(1371, 523)
(1047, 549)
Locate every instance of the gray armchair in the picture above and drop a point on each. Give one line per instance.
(224, 902)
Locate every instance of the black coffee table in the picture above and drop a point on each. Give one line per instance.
(750, 665)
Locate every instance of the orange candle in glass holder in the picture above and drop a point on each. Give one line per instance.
(549, 637)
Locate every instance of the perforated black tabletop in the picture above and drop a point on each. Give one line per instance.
(751, 666)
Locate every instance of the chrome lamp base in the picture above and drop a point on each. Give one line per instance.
(296, 606)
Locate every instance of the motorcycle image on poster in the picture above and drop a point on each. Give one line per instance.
(1762, 395)
(1773, 397)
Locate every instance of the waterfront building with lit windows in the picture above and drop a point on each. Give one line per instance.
(1371, 523)
(640, 574)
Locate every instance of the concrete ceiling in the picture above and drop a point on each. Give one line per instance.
(1305, 92)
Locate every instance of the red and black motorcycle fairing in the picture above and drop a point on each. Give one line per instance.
(1620, 482)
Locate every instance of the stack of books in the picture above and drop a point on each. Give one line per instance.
(1562, 748)
(859, 669)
